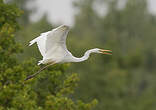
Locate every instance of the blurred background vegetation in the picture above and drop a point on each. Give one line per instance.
(124, 81)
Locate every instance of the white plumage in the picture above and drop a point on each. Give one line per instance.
(52, 46)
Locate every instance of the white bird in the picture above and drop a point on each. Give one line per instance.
(52, 46)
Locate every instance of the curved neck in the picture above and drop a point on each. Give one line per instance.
(85, 57)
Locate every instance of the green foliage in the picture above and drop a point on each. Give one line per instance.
(26, 12)
(125, 80)
(51, 90)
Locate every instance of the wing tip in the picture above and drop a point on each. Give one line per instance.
(40, 62)
(31, 42)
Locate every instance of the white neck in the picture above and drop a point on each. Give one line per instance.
(85, 57)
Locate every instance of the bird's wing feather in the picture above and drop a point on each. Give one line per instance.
(41, 40)
(56, 43)
(41, 45)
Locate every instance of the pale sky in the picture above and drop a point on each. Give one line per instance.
(61, 11)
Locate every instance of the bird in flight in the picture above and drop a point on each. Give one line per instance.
(52, 46)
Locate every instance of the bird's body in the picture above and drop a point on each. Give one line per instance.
(52, 46)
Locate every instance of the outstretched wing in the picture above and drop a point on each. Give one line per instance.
(52, 44)
(56, 42)
(41, 41)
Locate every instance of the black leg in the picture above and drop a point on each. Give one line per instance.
(31, 76)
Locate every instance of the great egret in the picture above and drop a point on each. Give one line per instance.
(52, 46)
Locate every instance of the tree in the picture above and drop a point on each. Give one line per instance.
(125, 81)
(49, 91)
(26, 12)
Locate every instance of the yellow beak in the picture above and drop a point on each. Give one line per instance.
(108, 52)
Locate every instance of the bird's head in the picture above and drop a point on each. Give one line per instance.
(102, 51)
